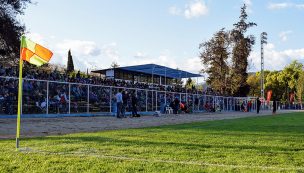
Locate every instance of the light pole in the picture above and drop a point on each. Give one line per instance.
(263, 41)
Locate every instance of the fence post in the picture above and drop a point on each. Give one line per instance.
(227, 104)
(146, 100)
(186, 97)
(156, 93)
(47, 97)
(69, 98)
(152, 104)
(180, 97)
(88, 99)
(111, 100)
(193, 102)
(214, 101)
(165, 98)
(199, 102)
(204, 101)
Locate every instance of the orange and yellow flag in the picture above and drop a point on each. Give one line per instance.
(34, 53)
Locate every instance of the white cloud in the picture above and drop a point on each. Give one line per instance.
(164, 59)
(191, 64)
(80, 47)
(38, 38)
(110, 51)
(90, 55)
(279, 6)
(276, 60)
(284, 35)
(140, 55)
(86, 54)
(193, 9)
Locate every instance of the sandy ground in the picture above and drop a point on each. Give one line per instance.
(33, 127)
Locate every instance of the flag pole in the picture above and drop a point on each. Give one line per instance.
(19, 99)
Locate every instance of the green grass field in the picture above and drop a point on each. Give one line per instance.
(261, 144)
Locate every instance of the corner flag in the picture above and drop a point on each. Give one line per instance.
(34, 54)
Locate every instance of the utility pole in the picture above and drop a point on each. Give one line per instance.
(263, 41)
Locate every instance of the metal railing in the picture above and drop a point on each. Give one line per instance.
(47, 97)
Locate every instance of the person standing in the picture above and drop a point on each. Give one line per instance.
(176, 105)
(258, 105)
(134, 104)
(119, 103)
(125, 98)
(274, 107)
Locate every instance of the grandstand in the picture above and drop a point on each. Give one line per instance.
(147, 73)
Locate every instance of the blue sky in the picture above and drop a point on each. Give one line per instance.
(166, 32)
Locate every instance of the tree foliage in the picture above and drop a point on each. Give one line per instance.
(241, 48)
(70, 63)
(289, 78)
(282, 83)
(254, 84)
(10, 29)
(300, 87)
(225, 57)
(190, 83)
(114, 64)
(214, 56)
(273, 83)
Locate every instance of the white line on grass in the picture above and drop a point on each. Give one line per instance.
(83, 154)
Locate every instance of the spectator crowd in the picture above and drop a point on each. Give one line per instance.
(101, 99)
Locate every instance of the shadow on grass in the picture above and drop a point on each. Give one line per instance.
(100, 141)
(284, 124)
(289, 127)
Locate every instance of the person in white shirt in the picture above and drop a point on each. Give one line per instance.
(119, 103)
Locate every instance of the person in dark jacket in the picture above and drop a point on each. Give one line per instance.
(134, 104)
(125, 98)
(258, 105)
(176, 105)
(274, 107)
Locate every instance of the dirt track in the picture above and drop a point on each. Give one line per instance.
(32, 127)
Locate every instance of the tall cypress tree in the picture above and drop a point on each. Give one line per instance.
(70, 65)
(241, 48)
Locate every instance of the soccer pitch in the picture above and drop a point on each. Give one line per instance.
(254, 144)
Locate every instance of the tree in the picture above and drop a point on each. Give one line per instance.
(214, 55)
(178, 81)
(273, 83)
(11, 29)
(300, 87)
(114, 65)
(70, 65)
(289, 77)
(241, 48)
(254, 85)
(190, 83)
